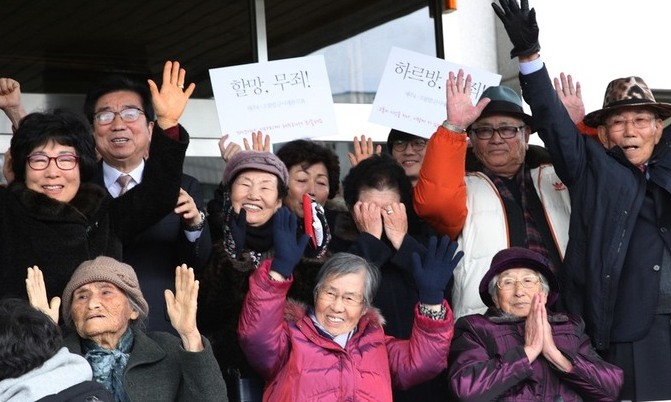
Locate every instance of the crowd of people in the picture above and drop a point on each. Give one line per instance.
(462, 265)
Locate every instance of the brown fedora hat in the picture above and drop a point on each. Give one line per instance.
(627, 92)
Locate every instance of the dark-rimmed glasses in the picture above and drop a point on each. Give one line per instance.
(348, 299)
(63, 162)
(129, 115)
(527, 282)
(505, 132)
(401, 145)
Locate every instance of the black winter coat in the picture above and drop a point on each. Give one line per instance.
(57, 236)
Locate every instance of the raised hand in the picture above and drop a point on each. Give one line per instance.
(170, 102)
(10, 100)
(570, 96)
(460, 110)
(367, 218)
(227, 151)
(182, 306)
(187, 209)
(37, 294)
(433, 271)
(363, 149)
(395, 223)
(520, 24)
(288, 249)
(259, 142)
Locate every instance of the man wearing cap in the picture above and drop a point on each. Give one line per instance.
(519, 350)
(504, 193)
(618, 264)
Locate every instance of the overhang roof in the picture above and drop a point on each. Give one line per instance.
(66, 46)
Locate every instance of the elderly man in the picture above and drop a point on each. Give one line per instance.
(124, 115)
(618, 263)
(507, 195)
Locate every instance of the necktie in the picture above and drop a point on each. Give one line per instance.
(123, 181)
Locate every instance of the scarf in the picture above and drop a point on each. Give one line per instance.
(522, 180)
(257, 239)
(109, 365)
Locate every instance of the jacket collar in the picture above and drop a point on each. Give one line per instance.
(83, 206)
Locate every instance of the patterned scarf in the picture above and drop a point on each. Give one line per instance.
(109, 365)
(534, 240)
(250, 235)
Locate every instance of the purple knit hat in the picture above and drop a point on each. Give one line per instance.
(257, 160)
(518, 257)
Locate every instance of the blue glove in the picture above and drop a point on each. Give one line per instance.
(288, 250)
(238, 227)
(521, 26)
(433, 272)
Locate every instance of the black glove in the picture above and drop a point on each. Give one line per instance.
(238, 227)
(288, 250)
(520, 23)
(433, 274)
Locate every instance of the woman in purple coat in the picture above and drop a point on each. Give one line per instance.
(519, 351)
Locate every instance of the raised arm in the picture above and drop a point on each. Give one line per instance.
(10, 101)
(363, 149)
(37, 294)
(182, 306)
(440, 193)
(170, 101)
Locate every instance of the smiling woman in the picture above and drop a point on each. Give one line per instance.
(51, 217)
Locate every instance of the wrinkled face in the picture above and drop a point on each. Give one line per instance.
(101, 312)
(381, 198)
(502, 156)
(340, 303)
(313, 181)
(256, 192)
(517, 300)
(411, 157)
(120, 143)
(54, 182)
(635, 130)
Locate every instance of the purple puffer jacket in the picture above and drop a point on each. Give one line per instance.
(487, 362)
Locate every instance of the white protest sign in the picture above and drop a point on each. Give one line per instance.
(286, 99)
(411, 95)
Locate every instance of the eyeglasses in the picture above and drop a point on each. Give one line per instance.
(505, 132)
(129, 115)
(63, 162)
(619, 125)
(528, 282)
(348, 300)
(401, 145)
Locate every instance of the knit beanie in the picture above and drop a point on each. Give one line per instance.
(104, 269)
(257, 160)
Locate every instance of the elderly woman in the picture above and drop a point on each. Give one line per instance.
(314, 174)
(104, 305)
(517, 350)
(50, 216)
(337, 350)
(254, 186)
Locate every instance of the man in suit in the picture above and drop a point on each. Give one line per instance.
(124, 114)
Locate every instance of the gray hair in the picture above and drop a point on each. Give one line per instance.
(341, 264)
(492, 288)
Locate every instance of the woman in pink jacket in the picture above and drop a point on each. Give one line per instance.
(337, 350)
